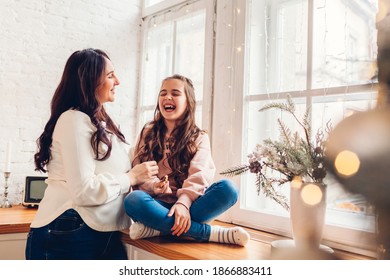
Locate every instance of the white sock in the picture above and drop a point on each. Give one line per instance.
(138, 230)
(232, 235)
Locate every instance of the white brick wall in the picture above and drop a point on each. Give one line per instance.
(36, 38)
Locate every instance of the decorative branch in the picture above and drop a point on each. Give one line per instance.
(237, 170)
(292, 155)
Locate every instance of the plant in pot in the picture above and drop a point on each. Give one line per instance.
(296, 159)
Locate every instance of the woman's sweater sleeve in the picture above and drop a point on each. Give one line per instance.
(73, 132)
(200, 173)
(148, 185)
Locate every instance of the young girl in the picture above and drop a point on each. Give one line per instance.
(182, 198)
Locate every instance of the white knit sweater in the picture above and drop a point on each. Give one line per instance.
(95, 189)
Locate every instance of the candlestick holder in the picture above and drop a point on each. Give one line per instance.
(5, 203)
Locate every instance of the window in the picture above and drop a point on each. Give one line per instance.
(178, 40)
(242, 54)
(321, 53)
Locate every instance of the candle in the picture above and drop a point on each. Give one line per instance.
(8, 157)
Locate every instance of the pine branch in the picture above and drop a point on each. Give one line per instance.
(307, 121)
(278, 198)
(275, 105)
(289, 107)
(236, 170)
(285, 133)
(262, 184)
(296, 139)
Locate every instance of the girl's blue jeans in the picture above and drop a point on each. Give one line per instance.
(219, 197)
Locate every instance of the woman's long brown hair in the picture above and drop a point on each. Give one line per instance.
(184, 135)
(82, 75)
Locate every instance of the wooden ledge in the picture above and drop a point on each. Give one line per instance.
(18, 219)
(256, 249)
(190, 250)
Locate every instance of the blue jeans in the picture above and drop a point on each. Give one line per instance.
(219, 197)
(69, 238)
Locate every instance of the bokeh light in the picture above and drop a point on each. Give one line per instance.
(311, 194)
(347, 163)
(296, 182)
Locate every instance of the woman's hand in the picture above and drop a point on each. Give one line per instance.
(182, 219)
(142, 172)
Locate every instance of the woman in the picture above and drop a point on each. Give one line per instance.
(88, 167)
(185, 199)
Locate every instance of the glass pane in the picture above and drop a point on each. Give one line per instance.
(277, 46)
(149, 3)
(189, 49)
(337, 108)
(146, 116)
(344, 42)
(157, 61)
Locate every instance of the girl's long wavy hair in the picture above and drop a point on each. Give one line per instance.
(83, 73)
(184, 135)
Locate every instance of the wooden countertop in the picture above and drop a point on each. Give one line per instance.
(16, 219)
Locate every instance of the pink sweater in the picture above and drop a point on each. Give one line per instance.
(200, 175)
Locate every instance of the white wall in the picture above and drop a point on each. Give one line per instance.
(36, 38)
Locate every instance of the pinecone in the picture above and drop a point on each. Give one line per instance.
(255, 167)
(319, 173)
(318, 150)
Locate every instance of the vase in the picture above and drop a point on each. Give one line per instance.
(307, 213)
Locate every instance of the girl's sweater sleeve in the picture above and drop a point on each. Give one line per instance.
(73, 133)
(200, 173)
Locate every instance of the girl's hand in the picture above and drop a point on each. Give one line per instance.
(182, 219)
(162, 186)
(143, 172)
